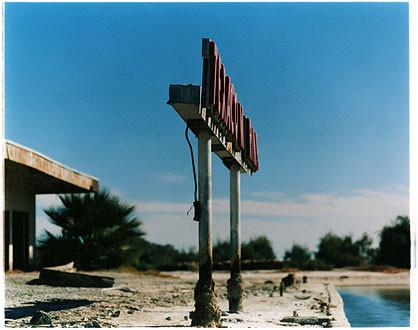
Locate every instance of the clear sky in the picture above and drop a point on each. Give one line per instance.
(326, 86)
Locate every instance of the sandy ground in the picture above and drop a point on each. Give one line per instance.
(166, 299)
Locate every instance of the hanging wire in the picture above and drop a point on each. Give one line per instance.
(196, 204)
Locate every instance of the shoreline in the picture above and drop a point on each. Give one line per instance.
(166, 298)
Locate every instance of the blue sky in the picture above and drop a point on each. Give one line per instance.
(326, 86)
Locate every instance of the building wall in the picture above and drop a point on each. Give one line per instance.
(20, 196)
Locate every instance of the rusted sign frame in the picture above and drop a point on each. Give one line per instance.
(215, 106)
(186, 100)
(221, 102)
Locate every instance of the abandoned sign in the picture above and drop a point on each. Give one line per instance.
(215, 105)
(221, 100)
(216, 117)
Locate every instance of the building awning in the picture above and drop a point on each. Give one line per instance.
(44, 174)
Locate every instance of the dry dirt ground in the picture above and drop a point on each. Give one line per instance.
(165, 299)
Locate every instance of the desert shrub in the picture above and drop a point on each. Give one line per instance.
(317, 264)
(164, 257)
(297, 256)
(258, 248)
(395, 244)
(343, 251)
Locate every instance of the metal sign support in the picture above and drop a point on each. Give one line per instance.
(207, 312)
(235, 289)
(214, 114)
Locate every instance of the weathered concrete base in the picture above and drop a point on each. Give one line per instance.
(235, 292)
(207, 312)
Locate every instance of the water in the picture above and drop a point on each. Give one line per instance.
(376, 306)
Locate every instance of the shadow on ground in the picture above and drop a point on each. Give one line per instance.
(46, 306)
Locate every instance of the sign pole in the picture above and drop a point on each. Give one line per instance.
(235, 289)
(207, 312)
(215, 115)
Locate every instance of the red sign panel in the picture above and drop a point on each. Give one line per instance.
(221, 101)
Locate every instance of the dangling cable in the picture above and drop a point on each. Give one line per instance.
(196, 203)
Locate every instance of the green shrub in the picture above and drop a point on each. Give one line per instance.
(97, 231)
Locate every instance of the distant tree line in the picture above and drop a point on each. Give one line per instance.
(100, 231)
(342, 251)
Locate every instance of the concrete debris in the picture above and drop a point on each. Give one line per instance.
(121, 288)
(114, 313)
(40, 318)
(289, 280)
(92, 324)
(301, 296)
(324, 322)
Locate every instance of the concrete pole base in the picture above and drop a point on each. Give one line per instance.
(235, 292)
(207, 312)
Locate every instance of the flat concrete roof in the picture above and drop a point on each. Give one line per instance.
(44, 174)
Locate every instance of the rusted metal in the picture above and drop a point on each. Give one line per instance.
(235, 290)
(220, 99)
(235, 287)
(183, 99)
(207, 312)
(217, 104)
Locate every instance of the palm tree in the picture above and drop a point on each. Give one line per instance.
(97, 231)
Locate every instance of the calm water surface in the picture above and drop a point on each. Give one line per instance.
(376, 306)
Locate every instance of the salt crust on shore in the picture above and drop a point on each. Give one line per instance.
(166, 300)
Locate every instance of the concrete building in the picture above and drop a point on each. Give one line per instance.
(28, 173)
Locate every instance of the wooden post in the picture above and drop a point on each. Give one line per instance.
(235, 281)
(207, 312)
(10, 247)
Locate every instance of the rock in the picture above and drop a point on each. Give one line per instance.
(92, 324)
(168, 318)
(268, 282)
(295, 313)
(302, 296)
(126, 289)
(223, 313)
(289, 280)
(312, 321)
(114, 313)
(40, 318)
(52, 277)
